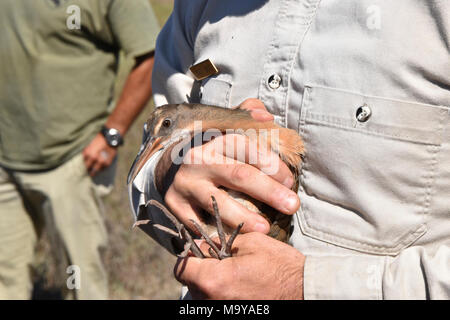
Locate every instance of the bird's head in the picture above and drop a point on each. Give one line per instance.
(165, 124)
(172, 123)
(165, 120)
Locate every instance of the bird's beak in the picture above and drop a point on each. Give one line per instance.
(150, 147)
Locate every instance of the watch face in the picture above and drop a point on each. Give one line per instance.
(113, 137)
(114, 140)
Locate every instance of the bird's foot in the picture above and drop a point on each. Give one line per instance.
(183, 233)
(225, 246)
(189, 243)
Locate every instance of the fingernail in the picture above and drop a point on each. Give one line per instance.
(262, 114)
(291, 203)
(261, 227)
(288, 182)
(259, 111)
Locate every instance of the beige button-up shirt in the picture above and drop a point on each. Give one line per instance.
(367, 86)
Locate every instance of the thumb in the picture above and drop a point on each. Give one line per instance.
(188, 270)
(257, 109)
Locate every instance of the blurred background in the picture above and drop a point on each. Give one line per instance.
(137, 266)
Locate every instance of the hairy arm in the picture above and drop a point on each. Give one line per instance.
(134, 97)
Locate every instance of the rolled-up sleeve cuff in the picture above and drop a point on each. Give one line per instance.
(343, 277)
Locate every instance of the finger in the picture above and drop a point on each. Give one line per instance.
(248, 243)
(257, 109)
(249, 149)
(251, 181)
(195, 272)
(185, 270)
(181, 207)
(245, 178)
(208, 252)
(88, 161)
(243, 244)
(108, 155)
(231, 212)
(105, 157)
(96, 167)
(261, 115)
(256, 153)
(252, 104)
(199, 194)
(205, 247)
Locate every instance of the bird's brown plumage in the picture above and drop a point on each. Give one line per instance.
(167, 124)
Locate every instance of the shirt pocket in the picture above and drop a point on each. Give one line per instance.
(216, 92)
(367, 184)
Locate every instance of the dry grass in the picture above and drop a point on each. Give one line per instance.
(137, 266)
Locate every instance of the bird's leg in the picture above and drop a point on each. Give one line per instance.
(182, 232)
(206, 237)
(232, 237)
(186, 249)
(213, 253)
(223, 242)
(225, 250)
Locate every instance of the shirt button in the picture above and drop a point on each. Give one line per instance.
(274, 81)
(363, 113)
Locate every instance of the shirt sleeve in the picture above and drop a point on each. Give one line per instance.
(414, 274)
(172, 80)
(133, 25)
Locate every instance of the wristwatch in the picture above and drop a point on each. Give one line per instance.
(112, 136)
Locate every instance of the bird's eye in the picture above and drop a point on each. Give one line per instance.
(167, 123)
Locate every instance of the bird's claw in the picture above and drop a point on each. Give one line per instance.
(183, 233)
(225, 246)
(190, 245)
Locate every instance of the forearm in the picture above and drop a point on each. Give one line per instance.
(135, 95)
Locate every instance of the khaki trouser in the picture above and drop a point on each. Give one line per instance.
(68, 202)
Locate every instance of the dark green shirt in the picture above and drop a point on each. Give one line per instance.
(56, 81)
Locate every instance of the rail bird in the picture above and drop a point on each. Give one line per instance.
(173, 125)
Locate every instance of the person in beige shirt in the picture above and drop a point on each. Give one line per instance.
(60, 128)
(366, 84)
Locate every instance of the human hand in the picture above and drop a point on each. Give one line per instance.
(98, 155)
(257, 109)
(195, 182)
(260, 268)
